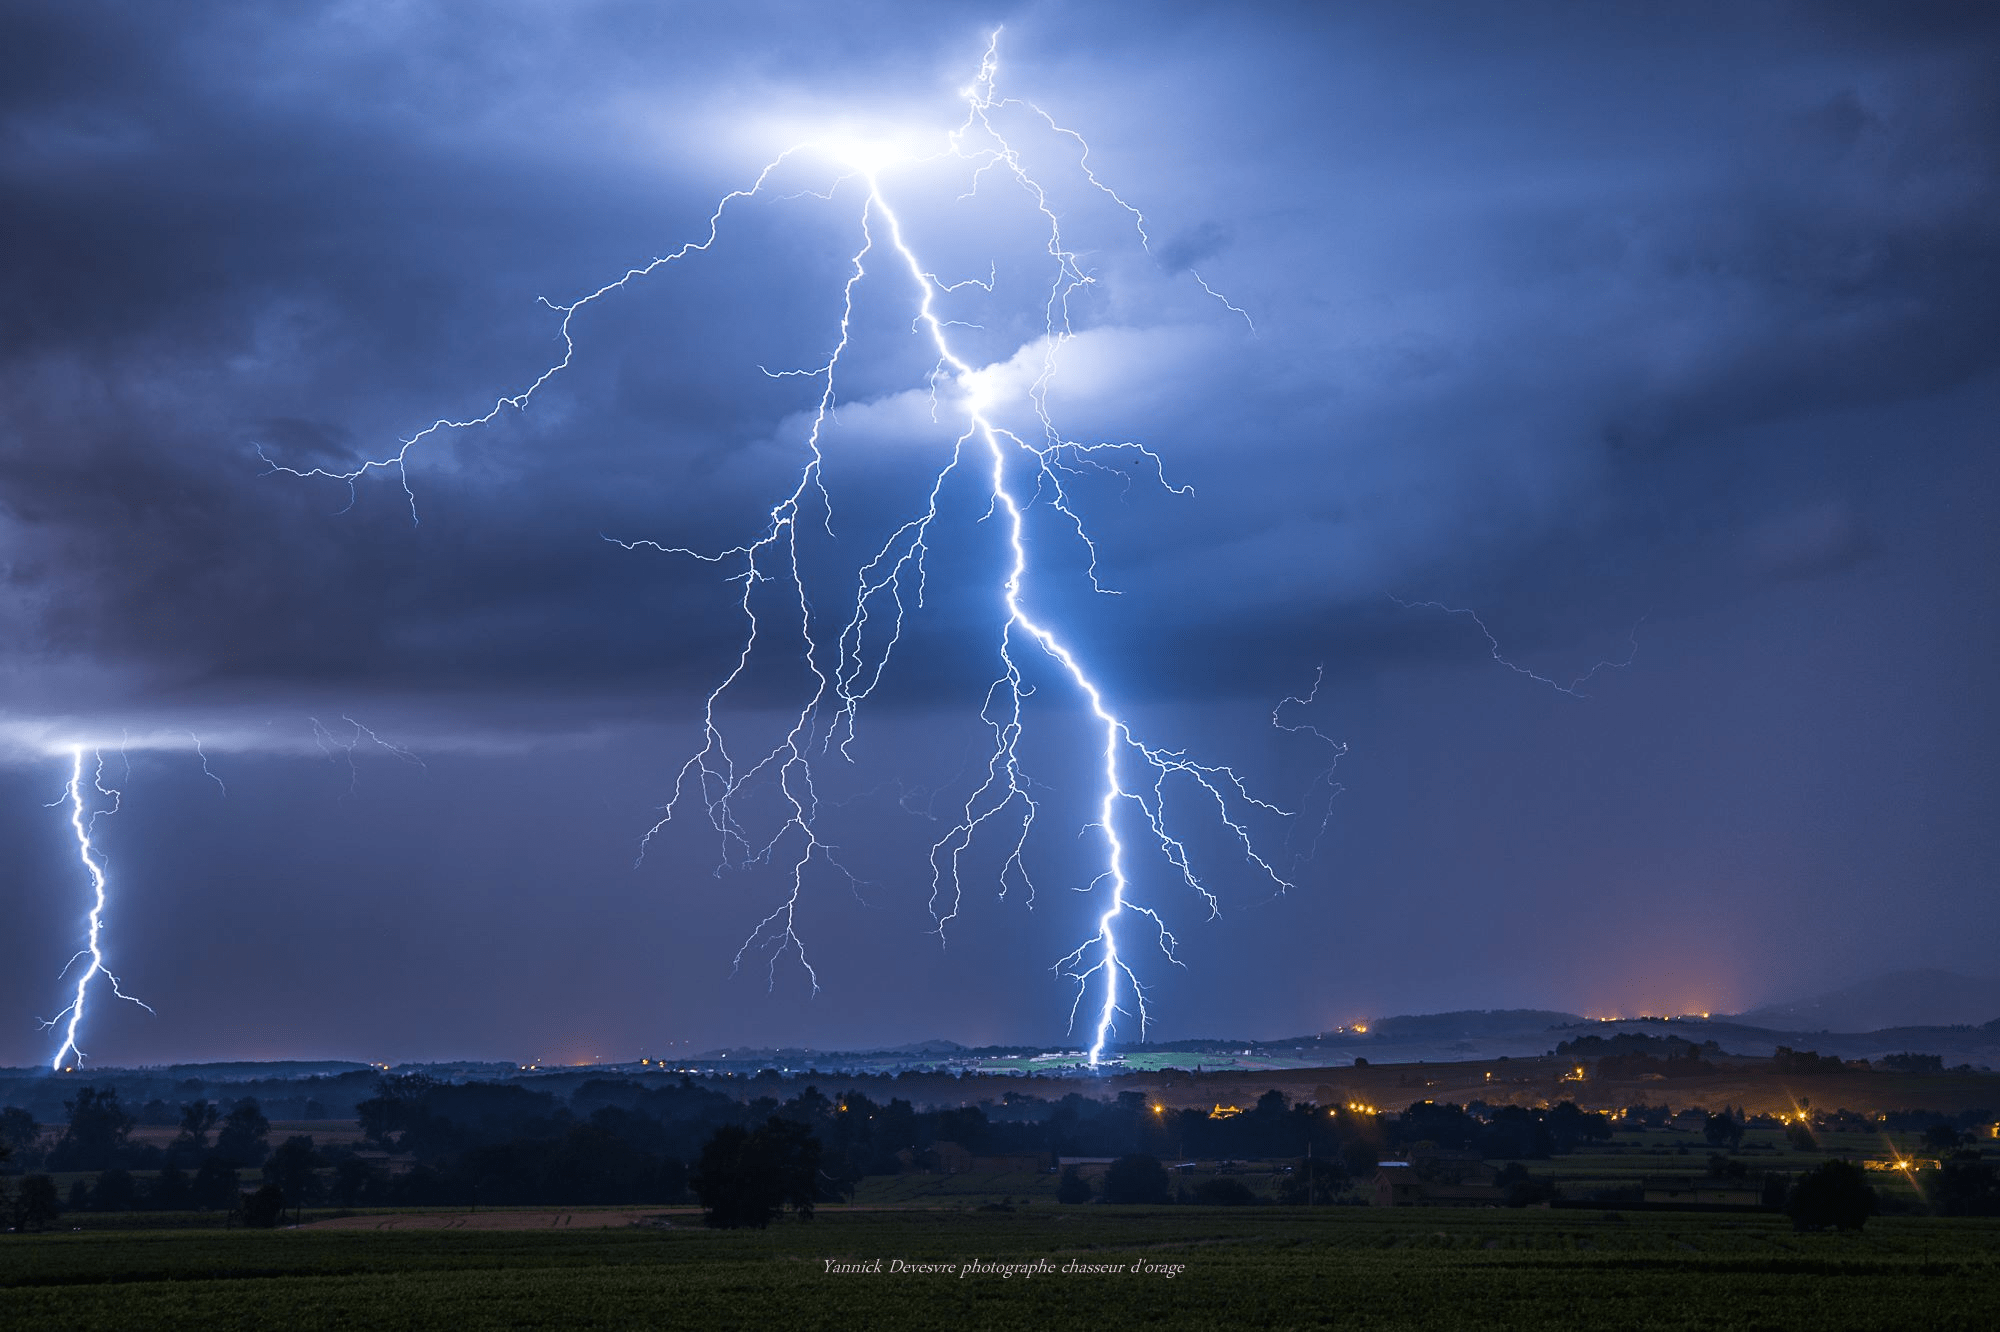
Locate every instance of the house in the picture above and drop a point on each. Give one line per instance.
(1087, 1166)
(1396, 1185)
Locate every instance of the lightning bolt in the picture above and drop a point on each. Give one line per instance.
(83, 822)
(1574, 688)
(1015, 473)
(206, 771)
(1337, 750)
(328, 741)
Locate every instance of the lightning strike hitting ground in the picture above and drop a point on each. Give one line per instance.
(1015, 473)
(84, 823)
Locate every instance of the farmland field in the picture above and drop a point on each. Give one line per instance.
(1180, 1266)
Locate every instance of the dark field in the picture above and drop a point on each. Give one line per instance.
(1238, 1267)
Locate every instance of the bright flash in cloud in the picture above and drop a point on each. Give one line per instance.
(1024, 474)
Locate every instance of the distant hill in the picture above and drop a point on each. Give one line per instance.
(933, 1047)
(257, 1070)
(1929, 998)
(1469, 1024)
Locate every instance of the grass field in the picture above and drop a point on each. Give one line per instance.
(1264, 1267)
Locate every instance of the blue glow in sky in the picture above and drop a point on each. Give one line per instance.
(1687, 316)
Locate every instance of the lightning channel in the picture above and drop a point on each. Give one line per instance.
(1325, 779)
(1574, 688)
(329, 740)
(206, 771)
(1140, 787)
(83, 823)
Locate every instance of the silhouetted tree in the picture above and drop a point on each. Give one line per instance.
(1314, 1180)
(397, 1103)
(1072, 1187)
(1570, 1127)
(1223, 1191)
(1964, 1186)
(171, 1190)
(595, 1164)
(116, 1191)
(95, 1137)
(1136, 1179)
(242, 1139)
(1517, 1133)
(1443, 1125)
(809, 1107)
(1518, 1188)
(191, 1143)
(1269, 1127)
(19, 1131)
(215, 1185)
(1833, 1194)
(36, 1206)
(356, 1182)
(265, 1207)
(291, 1167)
(748, 1178)
(1722, 1130)
(1941, 1137)
(967, 1127)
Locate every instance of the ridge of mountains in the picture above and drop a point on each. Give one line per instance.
(1922, 998)
(1926, 1010)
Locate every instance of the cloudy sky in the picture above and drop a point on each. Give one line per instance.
(1658, 337)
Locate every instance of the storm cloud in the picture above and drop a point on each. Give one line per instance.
(1666, 335)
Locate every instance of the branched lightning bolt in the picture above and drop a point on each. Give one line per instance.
(1574, 688)
(83, 822)
(398, 462)
(328, 742)
(1013, 473)
(1326, 777)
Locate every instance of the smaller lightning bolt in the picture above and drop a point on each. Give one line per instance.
(398, 462)
(1574, 688)
(328, 742)
(1326, 776)
(206, 771)
(84, 825)
(1227, 304)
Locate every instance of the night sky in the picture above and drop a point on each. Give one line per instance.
(1657, 335)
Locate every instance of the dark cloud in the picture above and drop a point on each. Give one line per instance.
(1678, 319)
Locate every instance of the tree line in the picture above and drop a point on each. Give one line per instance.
(426, 1142)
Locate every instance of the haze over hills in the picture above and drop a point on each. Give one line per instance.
(1924, 998)
(1931, 1011)
(1900, 1011)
